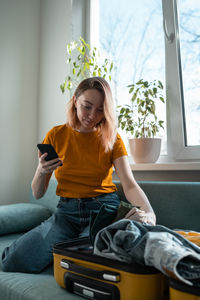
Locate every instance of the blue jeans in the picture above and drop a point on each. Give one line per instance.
(33, 251)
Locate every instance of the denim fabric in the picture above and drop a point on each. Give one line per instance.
(105, 216)
(158, 246)
(33, 251)
(100, 219)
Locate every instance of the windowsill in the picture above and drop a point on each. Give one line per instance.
(165, 166)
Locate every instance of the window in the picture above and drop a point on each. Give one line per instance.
(132, 36)
(189, 24)
(182, 92)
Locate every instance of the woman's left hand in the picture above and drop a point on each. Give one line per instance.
(139, 215)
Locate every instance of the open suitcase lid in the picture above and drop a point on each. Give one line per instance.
(81, 248)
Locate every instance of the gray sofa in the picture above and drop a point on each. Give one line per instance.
(176, 204)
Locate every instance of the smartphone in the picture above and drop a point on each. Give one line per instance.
(49, 149)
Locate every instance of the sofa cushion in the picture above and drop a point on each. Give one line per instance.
(21, 217)
(24, 286)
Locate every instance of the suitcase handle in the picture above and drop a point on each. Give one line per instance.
(90, 288)
(104, 274)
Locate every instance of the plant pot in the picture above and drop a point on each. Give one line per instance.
(145, 150)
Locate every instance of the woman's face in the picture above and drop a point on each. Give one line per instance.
(89, 107)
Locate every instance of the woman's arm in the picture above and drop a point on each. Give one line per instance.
(43, 174)
(134, 194)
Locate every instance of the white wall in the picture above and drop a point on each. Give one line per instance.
(33, 37)
(19, 54)
(55, 34)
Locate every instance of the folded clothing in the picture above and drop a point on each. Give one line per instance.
(157, 246)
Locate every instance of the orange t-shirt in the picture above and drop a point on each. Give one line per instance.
(87, 169)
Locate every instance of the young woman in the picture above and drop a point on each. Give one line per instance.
(88, 147)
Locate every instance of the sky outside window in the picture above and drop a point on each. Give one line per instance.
(189, 19)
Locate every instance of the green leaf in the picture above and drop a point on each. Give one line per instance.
(111, 66)
(131, 90)
(154, 90)
(62, 88)
(79, 73)
(130, 85)
(140, 82)
(146, 94)
(134, 97)
(160, 84)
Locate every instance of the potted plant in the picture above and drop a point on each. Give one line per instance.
(139, 119)
(84, 61)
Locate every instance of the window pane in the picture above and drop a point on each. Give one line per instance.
(189, 23)
(131, 34)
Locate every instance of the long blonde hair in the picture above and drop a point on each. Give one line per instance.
(108, 127)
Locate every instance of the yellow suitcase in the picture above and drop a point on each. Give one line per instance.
(182, 291)
(192, 236)
(78, 270)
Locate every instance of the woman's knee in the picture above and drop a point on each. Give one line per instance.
(28, 254)
(19, 261)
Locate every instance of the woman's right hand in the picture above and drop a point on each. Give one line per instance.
(43, 174)
(46, 167)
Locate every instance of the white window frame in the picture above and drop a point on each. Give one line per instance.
(80, 23)
(176, 142)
